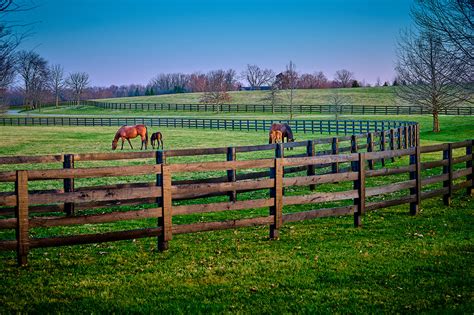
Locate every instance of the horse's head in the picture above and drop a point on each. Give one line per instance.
(114, 144)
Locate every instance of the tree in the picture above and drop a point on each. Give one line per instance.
(256, 77)
(355, 84)
(344, 78)
(33, 69)
(451, 22)
(273, 96)
(337, 102)
(9, 41)
(288, 81)
(430, 77)
(56, 81)
(217, 84)
(77, 82)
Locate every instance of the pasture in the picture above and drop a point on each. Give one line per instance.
(395, 263)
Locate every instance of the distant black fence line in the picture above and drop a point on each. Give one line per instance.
(282, 108)
(306, 126)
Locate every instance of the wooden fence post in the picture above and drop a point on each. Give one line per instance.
(370, 148)
(231, 174)
(22, 229)
(277, 193)
(399, 138)
(415, 159)
(359, 184)
(311, 168)
(448, 169)
(335, 150)
(280, 153)
(69, 183)
(470, 177)
(166, 222)
(382, 144)
(354, 144)
(392, 141)
(405, 130)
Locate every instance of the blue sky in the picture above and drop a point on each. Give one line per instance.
(129, 41)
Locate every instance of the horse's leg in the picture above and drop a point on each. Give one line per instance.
(130, 143)
(122, 144)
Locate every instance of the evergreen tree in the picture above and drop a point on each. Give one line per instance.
(137, 92)
(355, 84)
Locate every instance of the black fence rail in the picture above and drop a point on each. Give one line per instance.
(346, 127)
(266, 108)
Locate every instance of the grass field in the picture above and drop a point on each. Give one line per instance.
(396, 263)
(359, 96)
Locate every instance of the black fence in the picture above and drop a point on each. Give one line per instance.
(297, 109)
(345, 127)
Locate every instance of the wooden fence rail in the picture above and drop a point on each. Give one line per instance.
(297, 108)
(355, 199)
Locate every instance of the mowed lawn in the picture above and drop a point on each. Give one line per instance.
(395, 263)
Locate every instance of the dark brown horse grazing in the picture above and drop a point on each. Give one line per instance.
(158, 137)
(131, 132)
(285, 130)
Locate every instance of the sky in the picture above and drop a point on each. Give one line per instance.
(130, 41)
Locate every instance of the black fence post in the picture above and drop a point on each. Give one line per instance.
(231, 173)
(68, 163)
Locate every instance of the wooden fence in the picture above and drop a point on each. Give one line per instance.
(346, 127)
(297, 108)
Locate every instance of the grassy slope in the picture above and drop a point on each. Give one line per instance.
(359, 96)
(396, 263)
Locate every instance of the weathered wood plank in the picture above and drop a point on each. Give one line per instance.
(319, 213)
(370, 206)
(433, 179)
(319, 197)
(222, 206)
(196, 190)
(311, 160)
(215, 166)
(386, 189)
(96, 195)
(319, 179)
(95, 218)
(390, 171)
(433, 164)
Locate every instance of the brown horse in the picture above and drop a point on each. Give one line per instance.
(158, 137)
(131, 132)
(285, 130)
(275, 136)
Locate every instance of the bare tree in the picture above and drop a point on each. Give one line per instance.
(337, 102)
(256, 76)
(344, 78)
(9, 41)
(288, 81)
(452, 21)
(170, 82)
(273, 96)
(56, 80)
(33, 70)
(217, 84)
(429, 76)
(77, 82)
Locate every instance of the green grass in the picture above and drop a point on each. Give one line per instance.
(359, 96)
(394, 264)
